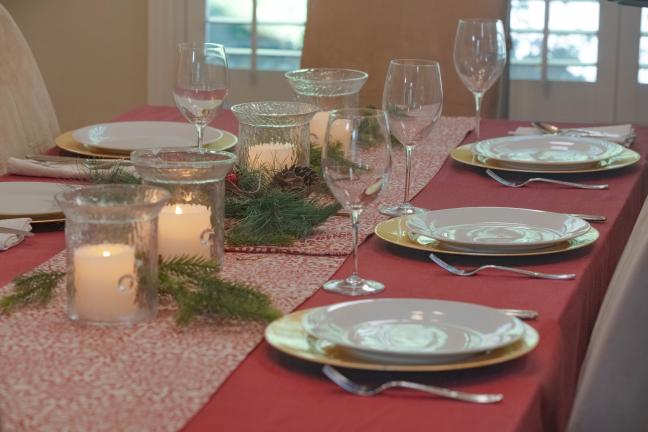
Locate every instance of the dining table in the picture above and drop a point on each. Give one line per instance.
(271, 391)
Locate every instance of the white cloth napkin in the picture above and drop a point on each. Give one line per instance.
(620, 134)
(9, 240)
(72, 170)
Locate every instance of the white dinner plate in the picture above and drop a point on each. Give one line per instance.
(30, 199)
(413, 330)
(497, 228)
(547, 151)
(124, 137)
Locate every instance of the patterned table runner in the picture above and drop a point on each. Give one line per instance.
(55, 375)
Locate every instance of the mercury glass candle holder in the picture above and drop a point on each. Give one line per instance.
(192, 223)
(112, 259)
(274, 135)
(329, 89)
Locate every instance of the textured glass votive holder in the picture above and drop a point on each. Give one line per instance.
(274, 135)
(329, 89)
(112, 260)
(192, 223)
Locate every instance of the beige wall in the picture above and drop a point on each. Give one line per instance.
(92, 54)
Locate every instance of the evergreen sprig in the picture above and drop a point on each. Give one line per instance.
(275, 217)
(192, 283)
(116, 174)
(31, 289)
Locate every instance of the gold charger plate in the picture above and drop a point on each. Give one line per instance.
(465, 155)
(395, 231)
(67, 142)
(288, 336)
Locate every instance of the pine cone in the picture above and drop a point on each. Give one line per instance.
(295, 178)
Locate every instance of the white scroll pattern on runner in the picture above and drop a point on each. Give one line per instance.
(55, 375)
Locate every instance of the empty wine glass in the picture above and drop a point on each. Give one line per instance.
(201, 83)
(412, 99)
(479, 57)
(356, 161)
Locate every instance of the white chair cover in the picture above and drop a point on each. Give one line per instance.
(612, 393)
(28, 122)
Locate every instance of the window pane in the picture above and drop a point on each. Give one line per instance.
(232, 9)
(644, 20)
(643, 76)
(282, 11)
(573, 15)
(280, 63)
(230, 35)
(239, 61)
(572, 48)
(527, 47)
(289, 37)
(572, 73)
(525, 72)
(527, 14)
(643, 50)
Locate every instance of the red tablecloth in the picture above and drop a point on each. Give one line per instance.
(271, 391)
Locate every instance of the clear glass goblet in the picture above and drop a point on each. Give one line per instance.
(201, 83)
(356, 161)
(412, 99)
(479, 57)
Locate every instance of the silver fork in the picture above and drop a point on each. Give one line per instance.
(363, 390)
(470, 272)
(509, 183)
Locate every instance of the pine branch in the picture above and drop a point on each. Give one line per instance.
(32, 289)
(187, 266)
(276, 217)
(117, 174)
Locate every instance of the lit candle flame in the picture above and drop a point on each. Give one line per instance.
(106, 253)
(178, 210)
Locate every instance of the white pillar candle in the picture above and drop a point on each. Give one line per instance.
(339, 132)
(180, 228)
(272, 156)
(97, 271)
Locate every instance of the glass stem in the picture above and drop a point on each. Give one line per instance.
(408, 172)
(355, 223)
(200, 129)
(478, 99)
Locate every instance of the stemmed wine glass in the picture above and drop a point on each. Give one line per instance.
(201, 83)
(356, 161)
(479, 57)
(413, 99)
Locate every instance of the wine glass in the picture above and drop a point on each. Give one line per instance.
(356, 161)
(201, 83)
(413, 99)
(479, 57)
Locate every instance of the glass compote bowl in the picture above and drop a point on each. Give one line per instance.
(329, 89)
(356, 169)
(479, 57)
(201, 83)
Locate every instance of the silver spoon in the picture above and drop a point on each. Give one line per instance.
(470, 272)
(364, 390)
(513, 184)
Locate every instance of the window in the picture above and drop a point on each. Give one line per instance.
(642, 77)
(555, 40)
(258, 34)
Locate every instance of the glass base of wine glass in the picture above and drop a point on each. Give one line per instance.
(400, 210)
(354, 285)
